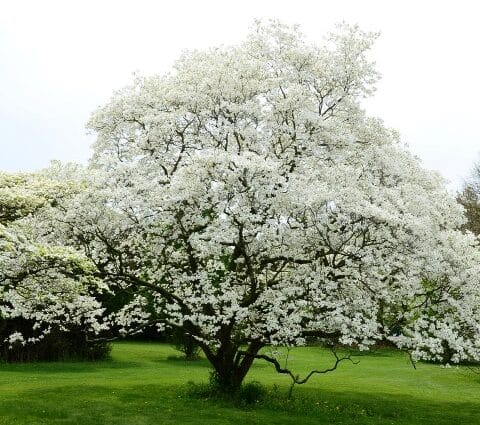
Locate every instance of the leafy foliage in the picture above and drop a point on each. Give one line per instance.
(469, 198)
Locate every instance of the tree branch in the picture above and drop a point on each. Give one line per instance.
(296, 378)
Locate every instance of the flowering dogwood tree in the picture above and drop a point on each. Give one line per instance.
(247, 199)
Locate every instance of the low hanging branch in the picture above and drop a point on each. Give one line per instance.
(296, 378)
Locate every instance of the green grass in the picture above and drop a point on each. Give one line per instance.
(142, 384)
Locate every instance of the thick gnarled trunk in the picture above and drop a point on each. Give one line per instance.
(228, 377)
(231, 364)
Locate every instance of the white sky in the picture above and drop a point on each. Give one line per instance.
(59, 60)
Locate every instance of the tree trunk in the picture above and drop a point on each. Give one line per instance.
(190, 348)
(231, 367)
(228, 380)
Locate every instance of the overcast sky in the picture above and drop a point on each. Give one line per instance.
(59, 60)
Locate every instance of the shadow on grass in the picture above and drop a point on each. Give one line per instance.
(155, 404)
(66, 367)
(201, 361)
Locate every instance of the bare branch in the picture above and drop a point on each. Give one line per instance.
(296, 378)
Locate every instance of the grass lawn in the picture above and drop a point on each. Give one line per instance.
(142, 384)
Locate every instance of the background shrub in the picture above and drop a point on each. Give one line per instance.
(58, 345)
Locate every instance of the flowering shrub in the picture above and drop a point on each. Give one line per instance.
(47, 292)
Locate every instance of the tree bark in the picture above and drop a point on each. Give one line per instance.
(230, 365)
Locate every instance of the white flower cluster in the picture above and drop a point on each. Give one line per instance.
(15, 338)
